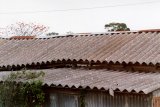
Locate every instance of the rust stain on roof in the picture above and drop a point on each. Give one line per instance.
(22, 37)
(117, 47)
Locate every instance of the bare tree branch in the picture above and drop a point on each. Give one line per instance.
(25, 29)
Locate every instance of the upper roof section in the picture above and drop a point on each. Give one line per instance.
(141, 47)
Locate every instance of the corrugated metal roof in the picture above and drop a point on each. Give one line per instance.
(101, 79)
(121, 47)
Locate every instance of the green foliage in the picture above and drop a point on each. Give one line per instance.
(22, 89)
(33, 93)
(52, 33)
(116, 27)
(82, 98)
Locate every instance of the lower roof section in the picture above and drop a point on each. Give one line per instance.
(100, 79)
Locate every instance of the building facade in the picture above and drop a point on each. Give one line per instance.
(93, 70)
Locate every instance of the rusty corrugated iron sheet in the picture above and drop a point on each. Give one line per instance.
(156, 101)
(100, 79)
(117, 47)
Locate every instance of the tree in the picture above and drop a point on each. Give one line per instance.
(22, 89)
(25, 29)
(114, 26)
(69, 33)
(52, 33)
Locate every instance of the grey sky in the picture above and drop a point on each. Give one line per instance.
(143, 16)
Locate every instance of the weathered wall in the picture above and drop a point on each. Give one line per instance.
(98, 99)
(118, 100)
(62, 100)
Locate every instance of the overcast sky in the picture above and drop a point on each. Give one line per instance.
(137, 14)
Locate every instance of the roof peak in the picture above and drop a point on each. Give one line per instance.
(83, 34)
(149, 30)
